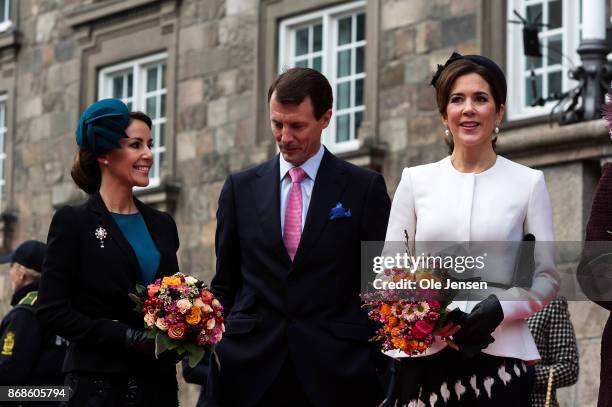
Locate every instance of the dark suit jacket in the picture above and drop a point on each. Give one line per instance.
(309, 309)
(83, 293)
(600, 222)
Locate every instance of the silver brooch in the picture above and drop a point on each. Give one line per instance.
(101, 235)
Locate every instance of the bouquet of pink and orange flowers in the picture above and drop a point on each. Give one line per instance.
(182, 315)
(407, 324)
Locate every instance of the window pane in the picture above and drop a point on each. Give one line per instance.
(302, 64)
(533, 12)
(343, 95)
(129, 106)
(316, 64)
(534, 62)
(342, 128)
(152, 79)
(555, 14)
(344, 30)
(360, 27)
(150, 107)
(162, 158)
(130, 84)
(344, 63)
(118, 87)
(162, 109)
(554, 50)
(163, 78)
(3, 16)
(358, 120)
(554, 83)
(162, 134)
(359, 92)
(529, 89)
(360, 57)
(317, 41)
(301, 41)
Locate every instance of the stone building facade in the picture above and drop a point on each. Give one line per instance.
(201, 68)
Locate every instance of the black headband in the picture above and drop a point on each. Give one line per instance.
(485, 62)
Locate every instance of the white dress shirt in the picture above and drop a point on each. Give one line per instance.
(436, 202)
(310, 167)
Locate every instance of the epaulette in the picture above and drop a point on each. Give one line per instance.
(29, 299)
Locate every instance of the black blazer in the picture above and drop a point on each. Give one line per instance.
(309, 309)
(84, 289)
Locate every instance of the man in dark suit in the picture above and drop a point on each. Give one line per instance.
(288, 243)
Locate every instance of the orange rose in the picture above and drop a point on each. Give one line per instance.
(172, 281)
(392, 321)
(194, 316)
(176, 331)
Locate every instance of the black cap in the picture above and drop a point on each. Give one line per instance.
(30, 254)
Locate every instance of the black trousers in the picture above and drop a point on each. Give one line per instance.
(119, 390)
(286, 390)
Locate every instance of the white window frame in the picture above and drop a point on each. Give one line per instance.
(516, 108)
(329, 61)
(3, 133)
(138, 100)
(6, 24)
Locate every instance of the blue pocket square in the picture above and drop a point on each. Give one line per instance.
(338, 212)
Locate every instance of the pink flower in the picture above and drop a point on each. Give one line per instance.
(149, 319)
(199, 303)
(206, 309)
(183, 305)
(161, 324)
(206, 296)
(421, 329)
(216, 303)
(210, 324)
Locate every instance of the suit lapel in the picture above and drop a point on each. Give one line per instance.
(96, 205)
(329, 185)
(268, 205)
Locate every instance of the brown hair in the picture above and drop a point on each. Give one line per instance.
(86, 171)
(296, 84)
(447, 79)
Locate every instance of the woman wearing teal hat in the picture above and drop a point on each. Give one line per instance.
(97, 253)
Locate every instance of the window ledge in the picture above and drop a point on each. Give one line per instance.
(543, 144)
(369, 156)
(89, 13)
(10, 37)
(163, 197)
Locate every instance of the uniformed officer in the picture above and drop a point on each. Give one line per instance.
(29, 355)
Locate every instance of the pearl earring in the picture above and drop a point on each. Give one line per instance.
(496, 130)
(105, 162)
(447, 132)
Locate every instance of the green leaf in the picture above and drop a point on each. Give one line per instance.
(152, 333)
(161, 344)
(173, 345)
(140, 289)
(195, 356)
(136, 299)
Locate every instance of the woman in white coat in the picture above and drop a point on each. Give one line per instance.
(474, 195)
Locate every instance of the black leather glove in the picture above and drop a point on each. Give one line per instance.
(477, 327)
(138, 340)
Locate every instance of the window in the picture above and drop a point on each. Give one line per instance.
(141, 84)
(333, 42)
(3, 100)
(5, 14)
(530, 78)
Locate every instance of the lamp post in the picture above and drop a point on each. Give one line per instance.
(593, 50)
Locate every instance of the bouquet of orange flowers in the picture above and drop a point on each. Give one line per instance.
(182, 315)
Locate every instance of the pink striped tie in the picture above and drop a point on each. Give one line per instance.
(292, 230)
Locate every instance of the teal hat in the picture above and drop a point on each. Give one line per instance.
(102, 124)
